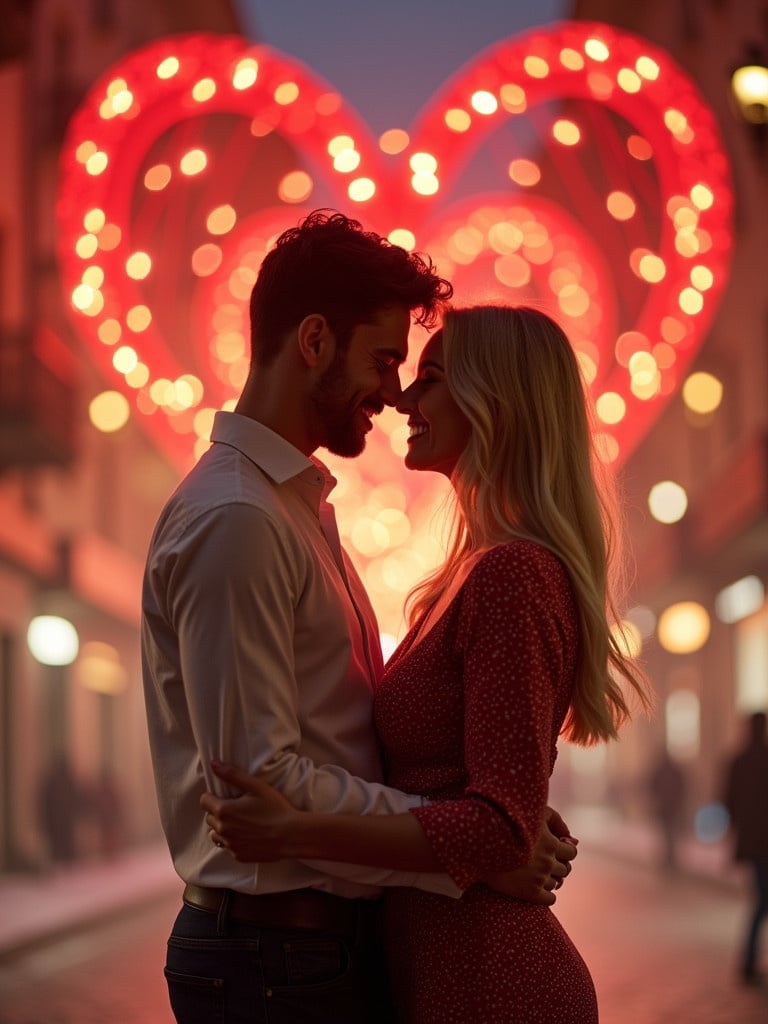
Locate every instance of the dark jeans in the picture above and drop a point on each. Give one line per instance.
(759, 913)
(230, 972)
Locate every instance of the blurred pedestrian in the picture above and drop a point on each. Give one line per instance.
(666, 789)
(59, 809)
(746, 798)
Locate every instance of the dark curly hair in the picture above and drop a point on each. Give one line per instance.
(329, 265)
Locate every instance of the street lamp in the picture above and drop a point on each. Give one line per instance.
(52, 640)
(749, 86)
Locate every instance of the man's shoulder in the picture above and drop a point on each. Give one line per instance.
(223, 485)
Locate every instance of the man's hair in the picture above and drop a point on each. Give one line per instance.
(329, 265)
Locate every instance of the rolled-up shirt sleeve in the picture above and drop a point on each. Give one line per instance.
(511, 646)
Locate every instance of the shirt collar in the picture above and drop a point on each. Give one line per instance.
(278, 458)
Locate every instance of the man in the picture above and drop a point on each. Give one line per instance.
(746, 798)
(260, 647)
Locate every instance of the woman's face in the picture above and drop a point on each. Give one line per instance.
(439, 429)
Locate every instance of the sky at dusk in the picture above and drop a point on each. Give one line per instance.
(387, 57)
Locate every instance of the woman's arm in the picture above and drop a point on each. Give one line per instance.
(261, 825)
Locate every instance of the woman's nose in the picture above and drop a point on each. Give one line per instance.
(406, 402)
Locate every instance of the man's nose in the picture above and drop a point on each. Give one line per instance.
(391, 391)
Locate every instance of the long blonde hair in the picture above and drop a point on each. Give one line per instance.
(529, 470)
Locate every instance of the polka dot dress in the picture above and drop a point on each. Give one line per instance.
(469, 716)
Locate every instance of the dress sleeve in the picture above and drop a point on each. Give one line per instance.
(514, 633)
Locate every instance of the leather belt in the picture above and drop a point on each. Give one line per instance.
(303, 909)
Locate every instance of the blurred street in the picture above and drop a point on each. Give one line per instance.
(661, 949)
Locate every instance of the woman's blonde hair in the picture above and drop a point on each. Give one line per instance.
(529, 470)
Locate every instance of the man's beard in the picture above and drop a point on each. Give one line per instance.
(335, 417)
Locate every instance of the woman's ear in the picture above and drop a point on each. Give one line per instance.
(317, 343)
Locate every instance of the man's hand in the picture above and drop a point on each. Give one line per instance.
(252, 827)
(547, 869)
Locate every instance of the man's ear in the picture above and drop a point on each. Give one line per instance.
(317, 343)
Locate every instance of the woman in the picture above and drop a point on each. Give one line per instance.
(510, 645)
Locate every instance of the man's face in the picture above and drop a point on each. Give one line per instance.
(360, 382)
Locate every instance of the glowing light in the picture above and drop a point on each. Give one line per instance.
(346, 161)
(245, 74)
(206, 260)
(138, 266)
(424, 183)
(639, 148)
(295, 187)
(361, 190)
(524, 172)
(286, 94)
(110, 237)
(652, 268)
(339, 143)
(109, 411)
(221, 220)
(647, 68)
(193, 162)
(702, 197)
(97, 164)
(84, 151)
(203, 423)
(157, 177)
(94, 220)
(204, 90)
(393, 141)
(683, 628)
(611, 407)
(424, 163)
(702, 392)
(138, 376)
(512, 270)
(702, 278)
(168, 68)
(740, 599)
(566, 132)
(458, 120)
(596, 49)
(109, 332)
(682, 719)
(138, 319)
(513, 98)
(52, 640)
(628, 638)
(484, 102)
(571, 59)
(86, 246)
(125, 359)
(629, 81)
(536, 67)
(82, 297)
(93, 276)
(691, 301)
(668, 502)
(620, 206)
(676, 121)
(403, 237)
(750, 87)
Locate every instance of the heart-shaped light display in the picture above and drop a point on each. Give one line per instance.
(575, 168)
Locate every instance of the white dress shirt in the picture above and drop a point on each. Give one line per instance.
(260, 649)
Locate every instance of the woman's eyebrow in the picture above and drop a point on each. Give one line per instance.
(433, 363)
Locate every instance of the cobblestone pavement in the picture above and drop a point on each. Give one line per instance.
(660, 949)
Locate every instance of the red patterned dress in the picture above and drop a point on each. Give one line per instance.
(471, 714)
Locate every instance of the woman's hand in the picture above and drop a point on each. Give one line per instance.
(547, 869)
(252, 827)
